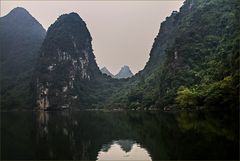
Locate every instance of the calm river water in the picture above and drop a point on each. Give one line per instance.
(114, 136)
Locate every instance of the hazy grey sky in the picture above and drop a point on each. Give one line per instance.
(123, 31)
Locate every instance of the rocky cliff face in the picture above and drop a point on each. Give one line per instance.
(66, 57)
(21, 35)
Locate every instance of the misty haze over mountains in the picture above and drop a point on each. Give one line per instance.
(125, 21)
(59, 69)
(57, 104)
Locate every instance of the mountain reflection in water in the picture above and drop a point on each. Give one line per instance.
(131, 135)
(123, 150)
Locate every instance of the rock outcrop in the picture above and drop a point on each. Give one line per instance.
(66, 57)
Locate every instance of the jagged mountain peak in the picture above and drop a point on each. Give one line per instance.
(71, 14)
(125, 72)
(70, 17)
(125, 67)
(104, 70)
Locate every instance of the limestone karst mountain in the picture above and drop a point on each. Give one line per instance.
(125, 72)
(66, 57)
(186, 96)
(194, 62)
(21, 36)
(104, 70)
(67, 75)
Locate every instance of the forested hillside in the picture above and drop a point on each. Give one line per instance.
(194, 61)
(21, 36)
(193, 64)
(67, 75)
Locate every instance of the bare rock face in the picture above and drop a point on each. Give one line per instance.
(66, 57)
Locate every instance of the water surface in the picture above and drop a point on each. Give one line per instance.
(114, 136)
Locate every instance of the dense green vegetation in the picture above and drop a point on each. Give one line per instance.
(197, 67)
(67, 75)
(193, 64)
(21, 36)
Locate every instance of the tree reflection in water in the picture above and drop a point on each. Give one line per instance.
(92, 135)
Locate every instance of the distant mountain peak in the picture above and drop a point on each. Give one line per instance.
(20, 11)
(104, 70)
(125, 67)
(125, 72)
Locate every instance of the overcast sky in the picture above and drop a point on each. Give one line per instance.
(123, 31)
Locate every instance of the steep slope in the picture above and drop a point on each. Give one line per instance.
(204, 56)
(195, 58)
(104, 70)
(20, 37)
(67, 75)
(125, 72)
(66, 56)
